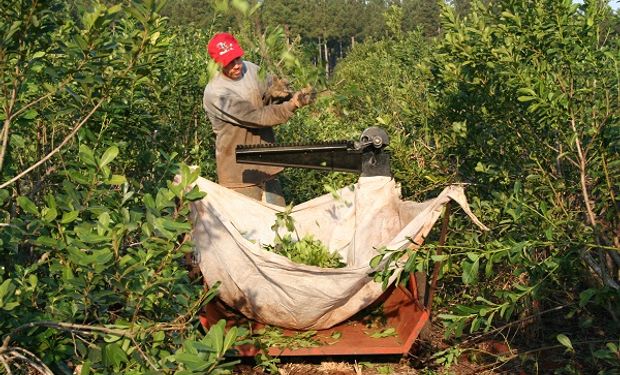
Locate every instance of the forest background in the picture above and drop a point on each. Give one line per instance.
(101, 107)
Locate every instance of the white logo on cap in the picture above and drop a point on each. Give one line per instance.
(224, 47)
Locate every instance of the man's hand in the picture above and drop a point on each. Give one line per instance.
(304, 97)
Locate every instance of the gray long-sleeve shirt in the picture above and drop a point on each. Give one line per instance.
(239, 117)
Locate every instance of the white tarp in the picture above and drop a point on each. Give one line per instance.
(230, 230)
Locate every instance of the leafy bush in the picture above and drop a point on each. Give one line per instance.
(96, 260)
(522, 103)
(93, 231)
(538, 127)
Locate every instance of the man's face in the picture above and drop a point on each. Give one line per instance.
(234, 69)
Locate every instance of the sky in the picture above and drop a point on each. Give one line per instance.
(615, 4)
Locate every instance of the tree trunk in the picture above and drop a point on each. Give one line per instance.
(320, 59)
(326, 60)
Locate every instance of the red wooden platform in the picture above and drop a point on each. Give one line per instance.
(401, 311)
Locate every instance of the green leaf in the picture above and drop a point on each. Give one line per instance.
(28, 206)
(115, 9)
(195, 194)
(230, 338)
(384, 333)
(49, 214)
(113, 355)
(4, 194)
(159, 336)
(241, 5)
(185, 176)
(564, 340)
(86, 235)
(217, 334)
(527, 91)
(470, 271)
(117, 179)
(7, 288)
(374, 262)
(86, 367)
(526, 98)
(108, 156)
(30, 114)
(87, 156)
(149, 202)
(172, 225)
(69, 217)
(137, 13)
(192, 361)
(49, 242)
(104, 219)
(154, 37)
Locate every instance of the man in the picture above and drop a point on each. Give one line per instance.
(236, 101)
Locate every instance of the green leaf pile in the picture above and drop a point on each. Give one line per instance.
(307, 250)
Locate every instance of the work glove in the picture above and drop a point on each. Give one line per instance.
(304, 97)
(278, 91)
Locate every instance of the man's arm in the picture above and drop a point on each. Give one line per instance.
(232, 108)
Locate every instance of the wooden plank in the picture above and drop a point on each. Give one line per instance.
(400, 309)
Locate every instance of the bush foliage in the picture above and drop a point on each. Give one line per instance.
(101, 108)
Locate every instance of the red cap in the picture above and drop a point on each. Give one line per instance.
(224, 48)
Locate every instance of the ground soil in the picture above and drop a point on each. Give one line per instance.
(417, 361)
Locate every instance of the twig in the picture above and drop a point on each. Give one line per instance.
(5, 140)
(67, 139)
(33, 360)
(25, 107)
(6, 365)
(70, 327)
(193, 309)
(146, 358)
(513, 323)
(582, 174)
(22, 354)
(599, 268)
(5, 127)
(545, 348)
